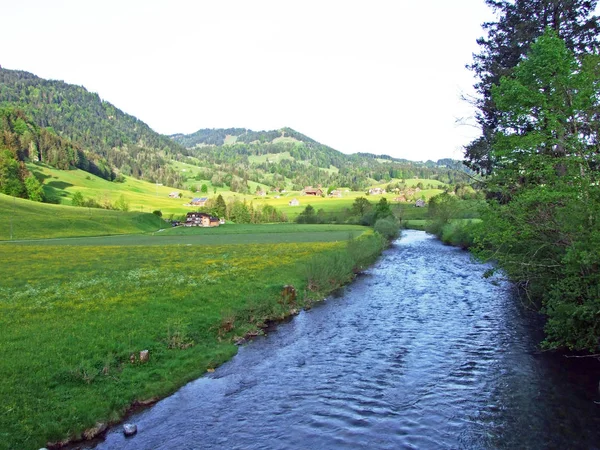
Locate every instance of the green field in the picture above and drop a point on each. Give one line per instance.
(147, 197)
(74, 311)
(23, 219)
(226, 234)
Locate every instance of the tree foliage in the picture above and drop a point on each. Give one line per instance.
(519, 24)
(543, 227)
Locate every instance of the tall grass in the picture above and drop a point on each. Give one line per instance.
(329, 271)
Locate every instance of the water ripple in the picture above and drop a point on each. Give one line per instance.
(422, 352)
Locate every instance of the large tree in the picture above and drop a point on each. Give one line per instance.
(544, 231)
(508, 40)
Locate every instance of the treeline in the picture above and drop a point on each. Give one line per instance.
(362, 212)
(241, 211)
(21, 140)
(27, 141)
(540, 149)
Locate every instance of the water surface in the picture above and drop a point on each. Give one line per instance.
(420, 352)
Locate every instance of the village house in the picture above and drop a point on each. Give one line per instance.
(420, 203)
(336, 193)
(400, 198)
(199, 219)
(309, 190)
(175, 195)
(199, 201)
(294, 202)
(376, 191)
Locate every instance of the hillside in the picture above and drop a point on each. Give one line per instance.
(23, 219)
(94, 135)
(127, 144)
(287, 159)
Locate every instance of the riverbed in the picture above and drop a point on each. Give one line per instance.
(421, 351)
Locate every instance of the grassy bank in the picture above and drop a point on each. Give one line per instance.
(71, 317)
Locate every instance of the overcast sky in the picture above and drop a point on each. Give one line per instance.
(369, 76)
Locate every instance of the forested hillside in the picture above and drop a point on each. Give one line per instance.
(89, 133)
(95, 126)
(279, 157)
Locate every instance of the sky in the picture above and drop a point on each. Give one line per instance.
(378, 76)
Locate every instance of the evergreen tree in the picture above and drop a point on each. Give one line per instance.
(220, 206)
(508, 40)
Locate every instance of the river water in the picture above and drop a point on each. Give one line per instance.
(419, 352)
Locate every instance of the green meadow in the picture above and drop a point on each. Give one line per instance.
(144, 197)
(23, 219)
(75, 312)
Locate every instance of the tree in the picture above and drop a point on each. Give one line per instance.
(220, 206)
(543, 229)
(382, 209)
(34, 189)
(10, 175)
(361, 206)
(308, 215)
(508, 40)
(77, 199)
(122, 204)
(204, 189)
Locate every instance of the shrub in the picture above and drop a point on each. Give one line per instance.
(459, 233)
(388, 227)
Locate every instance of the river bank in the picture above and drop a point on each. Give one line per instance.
(102, 306)
(420, 352)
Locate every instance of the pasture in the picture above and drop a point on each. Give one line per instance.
(23, 219)
(75, 313)
(143, 197)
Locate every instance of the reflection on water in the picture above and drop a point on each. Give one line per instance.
(421, 352)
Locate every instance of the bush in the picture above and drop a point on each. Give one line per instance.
(459, 233)
(330, 271)
(388, 227)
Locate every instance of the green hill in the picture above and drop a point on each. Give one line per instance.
(96, 136)
(127, 144)
(24, 219)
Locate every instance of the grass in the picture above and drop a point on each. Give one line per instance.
(147, 197)
(142, 196)
(23, 219)
(227, 234)
(72, 316)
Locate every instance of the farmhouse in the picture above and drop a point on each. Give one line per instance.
(420, 203)
(294, 202)
(376, 191)
(175, 195)
(199, 219)
(309, 190)
(400, 198)
(336, 193)
(199, 201)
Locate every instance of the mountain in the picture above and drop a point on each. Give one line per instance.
(125, 143)
(96, 136)
(282, 157)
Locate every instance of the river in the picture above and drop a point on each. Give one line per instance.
(419, 352)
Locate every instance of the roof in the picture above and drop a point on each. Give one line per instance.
(201, 199)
